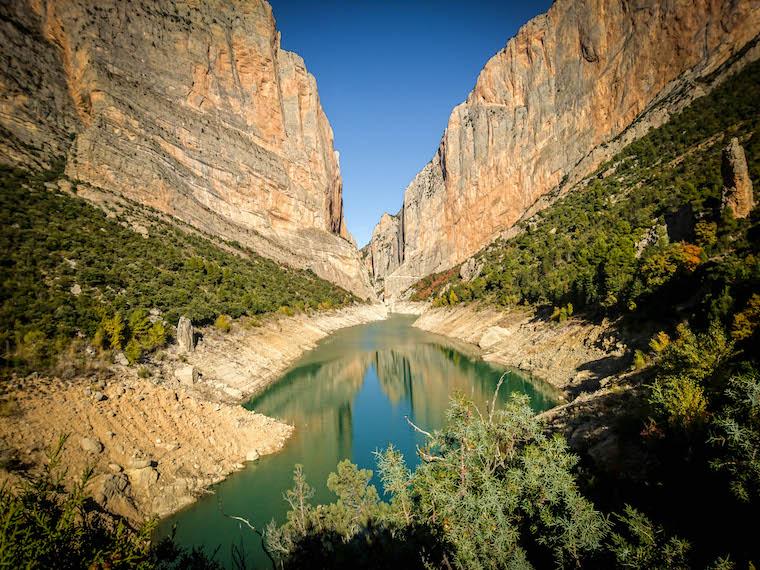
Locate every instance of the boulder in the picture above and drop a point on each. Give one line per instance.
(737, 185)
(120, 358)
(252, 455)
(187, 375)
(142, 478)
(113, 486)
(185, 333)
(91, 445)
(492, 336)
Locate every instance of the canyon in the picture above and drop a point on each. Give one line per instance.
(192, 109)
(573, 87)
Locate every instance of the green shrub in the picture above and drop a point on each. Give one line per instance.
(736, 435)
(223, 323)
(642, 545)
(133, 351)
(492, 490)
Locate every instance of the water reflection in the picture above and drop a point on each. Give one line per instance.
(348, 398)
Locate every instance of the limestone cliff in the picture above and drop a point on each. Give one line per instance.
(569, 90)
(189, 107)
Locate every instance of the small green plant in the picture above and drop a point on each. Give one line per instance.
(659, 342)
(561, 314)
(286, 310)
(639, 360)
(143, 372)
(223, 323)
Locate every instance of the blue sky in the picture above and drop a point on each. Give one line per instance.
(389, 72)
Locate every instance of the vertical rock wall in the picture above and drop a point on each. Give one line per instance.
(189, 107)
(570, 89)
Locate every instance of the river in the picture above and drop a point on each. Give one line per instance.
(346, 398)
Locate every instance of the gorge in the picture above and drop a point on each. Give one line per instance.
(548, 357)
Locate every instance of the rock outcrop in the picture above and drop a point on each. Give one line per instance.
(185, 335)
(737, 185)
(573, 87)
(191, 108)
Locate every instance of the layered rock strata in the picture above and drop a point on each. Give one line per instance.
(191, 108)
(573, 87)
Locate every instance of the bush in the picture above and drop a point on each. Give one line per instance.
(133, 351)
(736, 435)
(492, 490)
(223, 323)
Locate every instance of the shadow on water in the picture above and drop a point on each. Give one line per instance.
(347, 398)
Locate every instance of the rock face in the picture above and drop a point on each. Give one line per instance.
(191, 108)
(737, 185)
(187, 375)
(185, 339)
(384, 252)
(570, 89)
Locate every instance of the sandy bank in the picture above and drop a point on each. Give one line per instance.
(154, 447)
(573, 356)
(241, 363)
(157, 443)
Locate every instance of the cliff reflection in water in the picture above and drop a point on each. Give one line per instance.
(384, 372)
(346, 398)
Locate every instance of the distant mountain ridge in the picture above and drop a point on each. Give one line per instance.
(573, 87)
(191, 108)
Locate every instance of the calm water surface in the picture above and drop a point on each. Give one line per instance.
(346, 398)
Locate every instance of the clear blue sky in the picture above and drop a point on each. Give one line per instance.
(389, 72)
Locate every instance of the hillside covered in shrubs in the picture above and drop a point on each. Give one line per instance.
(72, 273)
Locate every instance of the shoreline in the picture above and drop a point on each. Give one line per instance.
(573, 357)
(159, 443)
(156, 444)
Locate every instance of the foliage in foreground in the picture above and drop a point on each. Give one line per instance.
(44, 526)
(491, 492)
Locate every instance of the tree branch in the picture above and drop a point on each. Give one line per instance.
(411, 423)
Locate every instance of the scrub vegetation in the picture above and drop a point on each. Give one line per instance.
(72, 275)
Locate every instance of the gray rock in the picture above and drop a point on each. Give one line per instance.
(91, 445)
(140, 463)
(737, 184)
(470, 269)
(187, 375)
(185, 332)
(120, 358)
(99, 396)
(114, 486)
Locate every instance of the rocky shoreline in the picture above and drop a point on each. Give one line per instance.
(574, 356)
(156, 443)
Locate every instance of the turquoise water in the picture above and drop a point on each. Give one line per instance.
(346, 398)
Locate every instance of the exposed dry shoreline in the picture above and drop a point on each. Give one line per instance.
(574, 356)
(156, 443)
